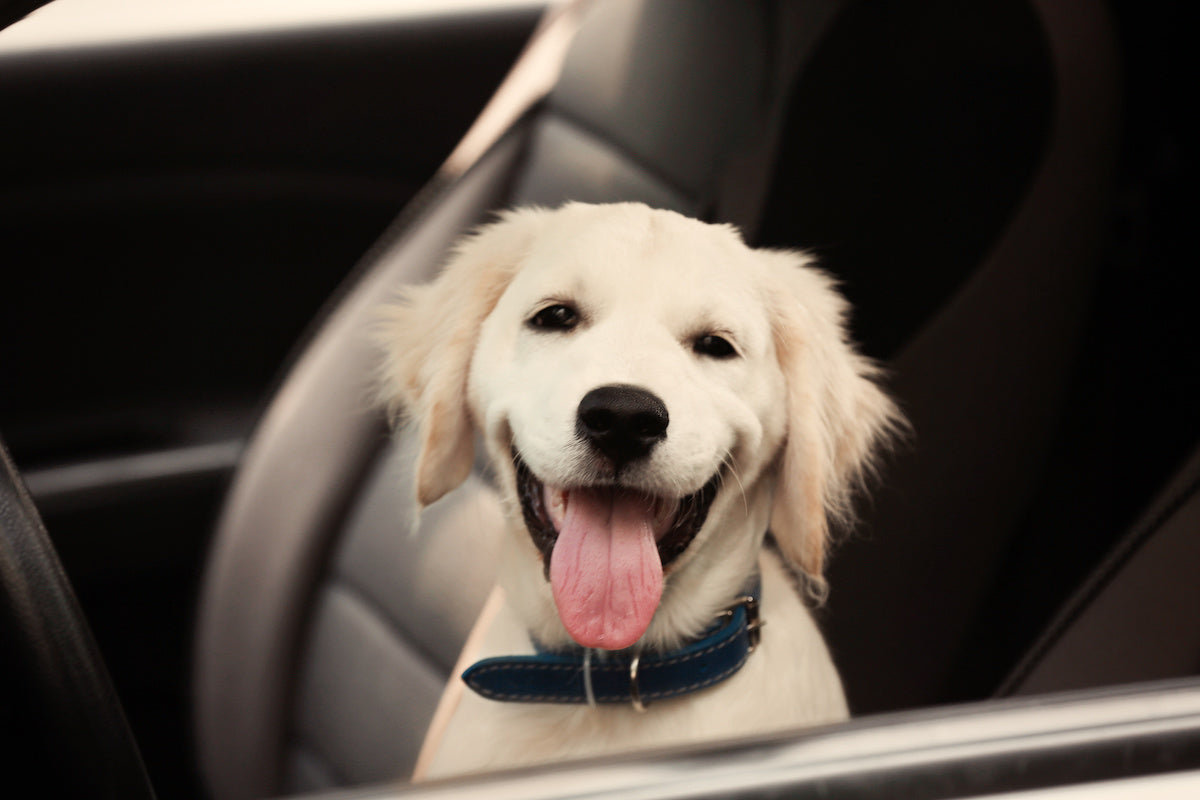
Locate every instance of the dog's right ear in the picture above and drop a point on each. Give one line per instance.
(428, 335)
(838, 417)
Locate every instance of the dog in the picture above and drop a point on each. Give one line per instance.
(654, 397)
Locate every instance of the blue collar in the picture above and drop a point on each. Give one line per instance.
(625, 676)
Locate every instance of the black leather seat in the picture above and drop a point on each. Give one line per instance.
(62, 727)
(326, 631)
(1134, 617)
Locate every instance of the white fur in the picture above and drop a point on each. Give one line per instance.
(791, 422)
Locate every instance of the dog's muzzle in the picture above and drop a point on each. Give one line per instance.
(687, 515)
(606, 543)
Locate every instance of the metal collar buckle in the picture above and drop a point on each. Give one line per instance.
(754, 620)
(754, 624)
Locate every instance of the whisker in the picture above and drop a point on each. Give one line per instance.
(732, 471)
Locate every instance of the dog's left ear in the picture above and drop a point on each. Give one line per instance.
(428, 336)
(837, 416)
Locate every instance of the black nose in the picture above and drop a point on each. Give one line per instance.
(622, 422)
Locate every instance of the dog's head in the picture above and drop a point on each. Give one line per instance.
(653, 394)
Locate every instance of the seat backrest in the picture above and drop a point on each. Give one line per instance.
(983, 382)
(326, 630)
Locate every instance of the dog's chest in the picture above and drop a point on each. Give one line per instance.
(789, 681)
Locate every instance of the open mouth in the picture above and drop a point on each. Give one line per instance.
(605, 549)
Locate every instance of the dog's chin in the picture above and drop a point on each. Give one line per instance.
(675, 520)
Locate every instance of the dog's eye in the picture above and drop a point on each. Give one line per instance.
(713, 346)
(556, 317)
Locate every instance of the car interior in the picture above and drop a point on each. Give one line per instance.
(208, 583)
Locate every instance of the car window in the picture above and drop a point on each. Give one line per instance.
(84, 23)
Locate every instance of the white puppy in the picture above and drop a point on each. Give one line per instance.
(654, 397)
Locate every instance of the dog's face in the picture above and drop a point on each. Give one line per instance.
(630, 376)
(653, 394)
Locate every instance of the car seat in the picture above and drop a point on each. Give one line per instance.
(62, 727)
(960, 197)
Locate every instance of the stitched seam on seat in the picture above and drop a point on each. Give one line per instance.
(308, 747)
(619, 149)
(355, 593)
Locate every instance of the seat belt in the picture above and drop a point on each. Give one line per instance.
(1137, 617)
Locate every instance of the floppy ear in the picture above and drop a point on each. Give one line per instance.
(837, 416)
(428, 335)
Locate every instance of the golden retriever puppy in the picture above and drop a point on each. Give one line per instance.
(655, 397)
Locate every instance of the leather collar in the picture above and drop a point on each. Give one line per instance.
(626, 676)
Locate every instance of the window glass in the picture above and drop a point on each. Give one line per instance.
(82, 23)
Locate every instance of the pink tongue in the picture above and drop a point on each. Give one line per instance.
(604, 570)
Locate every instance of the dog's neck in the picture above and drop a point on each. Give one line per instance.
(635, 676)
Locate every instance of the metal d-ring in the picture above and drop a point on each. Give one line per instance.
(635, 694)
